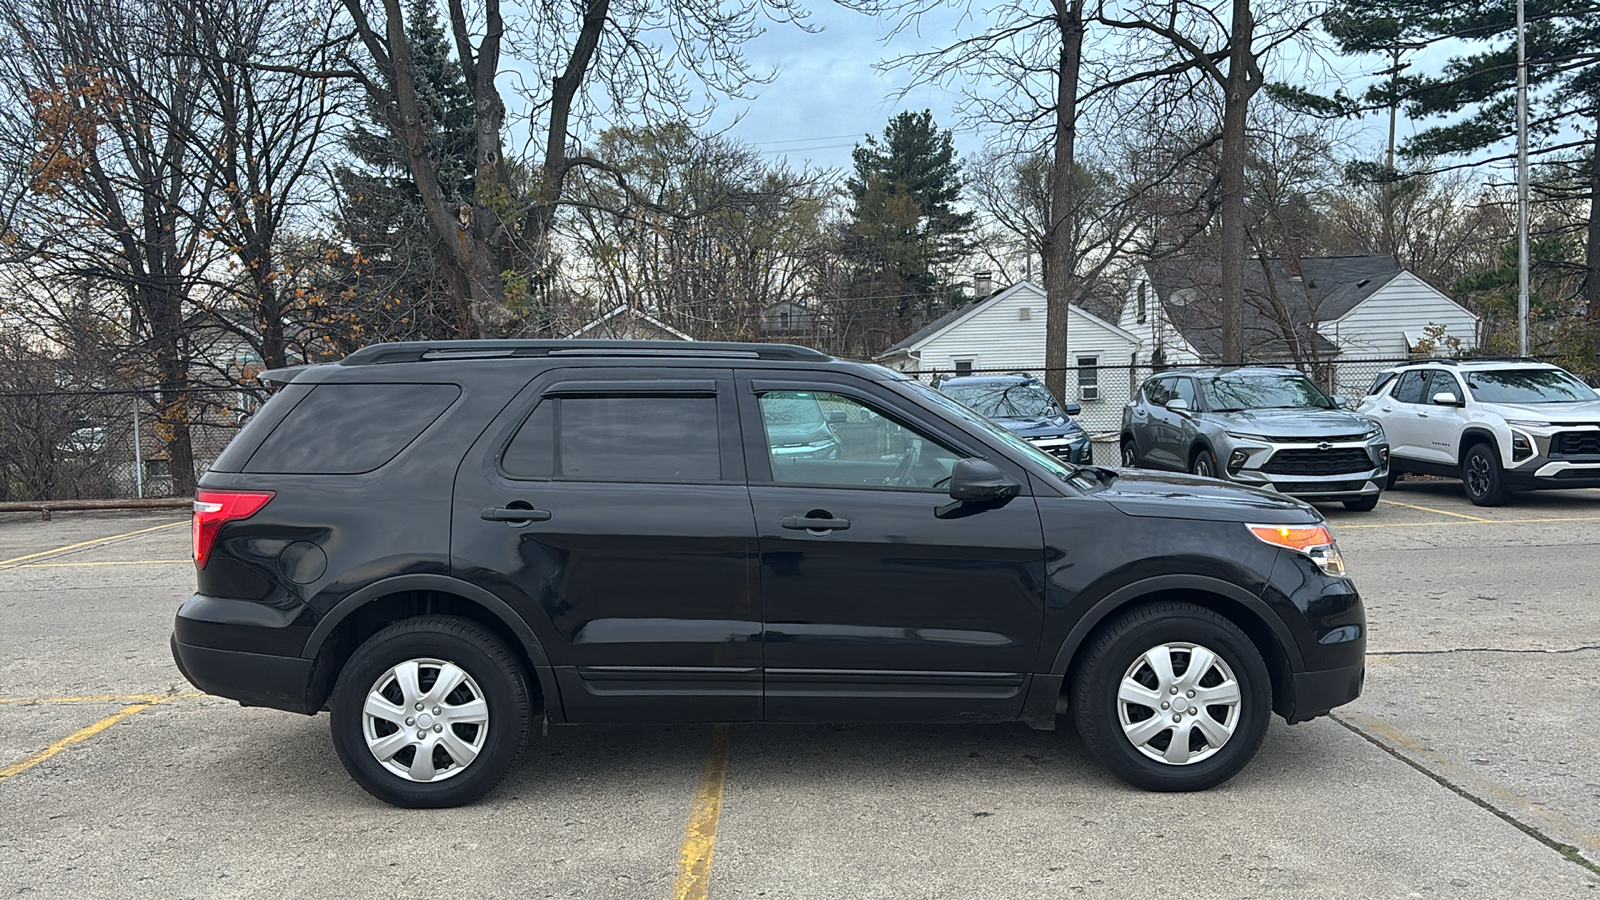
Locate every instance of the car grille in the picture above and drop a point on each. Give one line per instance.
(1317, 439)
(1339, 461)
(1575, 443)
(1318, 487)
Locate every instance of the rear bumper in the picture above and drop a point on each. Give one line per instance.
(253, 679)
(1315, 693)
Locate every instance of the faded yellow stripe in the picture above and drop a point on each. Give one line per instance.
(103, 698)
(118, 562)
(10, 563)
(1442, 512)
(1343, 527)
(700, 838)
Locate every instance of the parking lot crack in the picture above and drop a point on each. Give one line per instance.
(1370, 732)
(1584, 648)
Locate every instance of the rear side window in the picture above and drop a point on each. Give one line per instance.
(645, 438)
(347, 429)
(1409, 388)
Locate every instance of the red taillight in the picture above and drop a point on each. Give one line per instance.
(213, 509)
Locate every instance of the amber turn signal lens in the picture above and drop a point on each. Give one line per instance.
(1299, 538)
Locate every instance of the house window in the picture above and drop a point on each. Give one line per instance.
(1088, 378)
(963, 367)
(1144, 301)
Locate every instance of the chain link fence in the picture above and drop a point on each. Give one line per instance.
(1102, 391)
(111, 445)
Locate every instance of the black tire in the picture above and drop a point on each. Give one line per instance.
(1481, 477)
(1118, 651)
(1204, 464)
(1130, 454)
(1363, 504)
(430, 643)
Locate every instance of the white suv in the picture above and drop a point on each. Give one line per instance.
(1498, 425)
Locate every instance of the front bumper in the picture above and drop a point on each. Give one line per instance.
(1327, 470)
(1074, 449)
(1316, 693)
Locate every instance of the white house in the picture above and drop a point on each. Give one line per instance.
(1333, 309)
(628, 324)
(1005, 332)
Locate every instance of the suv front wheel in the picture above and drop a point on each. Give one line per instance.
(1481, 476)
(430, 712)
(1172, 697)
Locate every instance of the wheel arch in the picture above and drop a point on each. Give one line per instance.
(1244, 609)
(1474, 436)
(1198, 444)
(360, 615)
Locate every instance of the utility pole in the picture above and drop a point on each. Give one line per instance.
(1522, 182)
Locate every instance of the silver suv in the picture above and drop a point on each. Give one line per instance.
(1498, 425)
(1267, 427)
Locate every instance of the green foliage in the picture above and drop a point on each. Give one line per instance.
(904, 232)
(391, 281)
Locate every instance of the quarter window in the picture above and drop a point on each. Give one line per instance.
(347, 429)
(640, 438)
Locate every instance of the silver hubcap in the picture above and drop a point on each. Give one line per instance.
(1202, 466)
(425, 720)
(1178, 703)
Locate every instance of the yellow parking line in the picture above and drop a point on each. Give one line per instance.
(10, 563)
(101, 698)
(694, 862)
(1343, 527)
(1442, 512)
(81, 735)
(118, 562)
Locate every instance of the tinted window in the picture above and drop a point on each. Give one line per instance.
(1383, 379)
(346, 429)
(1157, 391)
(629, 438)
(1410, 386)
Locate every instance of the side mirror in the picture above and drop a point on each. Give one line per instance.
(977, 480)
(1072, 409)
(836, 417)
(1445, 398)
(1338, 401)
(1178, 404)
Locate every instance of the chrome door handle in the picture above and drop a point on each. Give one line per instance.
(1422, 415)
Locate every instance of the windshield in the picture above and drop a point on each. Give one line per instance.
(1527, 386)
(1006, 400)
(1050, 463)
(1232, 393)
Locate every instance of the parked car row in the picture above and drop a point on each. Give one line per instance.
(1498, 425)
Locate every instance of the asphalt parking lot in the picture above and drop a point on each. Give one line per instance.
(1467, 770)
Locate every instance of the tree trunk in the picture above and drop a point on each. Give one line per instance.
(1236, 99)
(1591, 278)
(1060, 253)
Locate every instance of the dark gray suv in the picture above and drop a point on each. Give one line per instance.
(1266, 427)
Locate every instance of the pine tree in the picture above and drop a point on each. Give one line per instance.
(392, 276)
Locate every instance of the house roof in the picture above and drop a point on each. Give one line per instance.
(1326, 288)
(960, 314)
(603, 323)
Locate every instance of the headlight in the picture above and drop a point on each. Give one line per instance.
(1314, 541)
(1249, 437)
(1528, 423)
(1375, 432)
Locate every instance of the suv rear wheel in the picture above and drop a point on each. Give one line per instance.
(430, 712)
(1172, 697)
(1130, 454)
(1481, 477)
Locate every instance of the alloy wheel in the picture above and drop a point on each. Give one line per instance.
(1478, 475)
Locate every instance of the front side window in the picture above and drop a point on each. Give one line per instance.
(1442, 383)
(1232, 393)
(1183, 389)
(639, 438)
(1527, 386)
(822, 438)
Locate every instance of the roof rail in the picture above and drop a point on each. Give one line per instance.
(1456, 361)
(420, 351)
(1443, 360)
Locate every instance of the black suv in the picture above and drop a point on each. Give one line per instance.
(443, 542)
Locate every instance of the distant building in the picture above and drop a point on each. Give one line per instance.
(628, 324)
